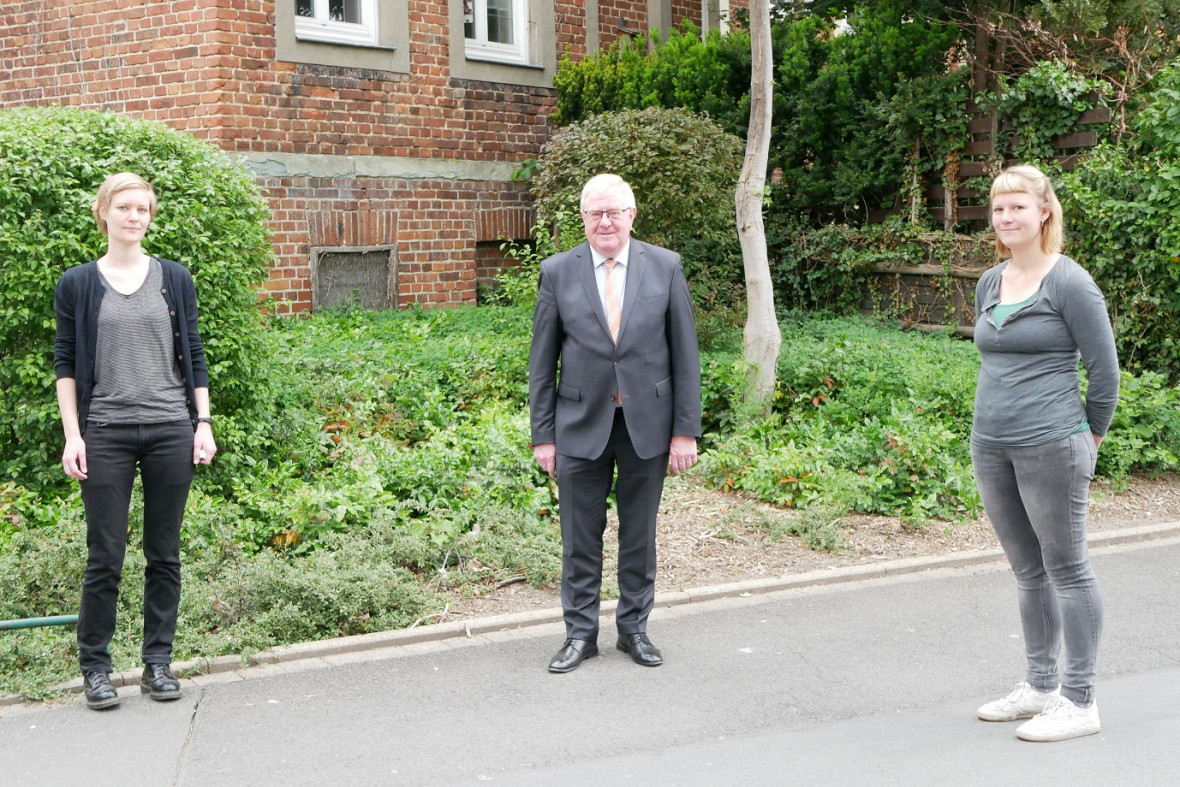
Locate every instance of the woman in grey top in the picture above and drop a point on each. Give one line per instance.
(133, 391)
(1034, 445)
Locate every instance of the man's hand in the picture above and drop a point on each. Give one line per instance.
(683, 453)
(546, 456)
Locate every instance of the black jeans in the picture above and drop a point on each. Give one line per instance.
(163, 454)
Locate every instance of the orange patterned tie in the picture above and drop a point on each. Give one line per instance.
(614, 300)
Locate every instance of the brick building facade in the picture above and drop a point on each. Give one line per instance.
(383, 132)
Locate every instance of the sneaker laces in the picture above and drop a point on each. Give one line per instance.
(1018, 692)
(1058, 706)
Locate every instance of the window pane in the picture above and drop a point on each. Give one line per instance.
(304, 8)
(345, 11)
(500, 21)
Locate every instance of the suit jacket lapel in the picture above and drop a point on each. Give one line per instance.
(584, 267)
(636, 265)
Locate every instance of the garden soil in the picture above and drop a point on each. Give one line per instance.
(707, 537)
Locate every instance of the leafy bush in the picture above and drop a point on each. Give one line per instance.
(431, 486)
(709, 75)
(211, 219)
(683, 168)
(1121, 204)
(1145, 432)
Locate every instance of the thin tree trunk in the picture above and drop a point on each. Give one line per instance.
(762, 335)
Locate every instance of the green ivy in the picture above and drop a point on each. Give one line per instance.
(1038, 106)
(1121, 204)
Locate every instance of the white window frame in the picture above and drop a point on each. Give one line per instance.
(324, 30)
(479, 48)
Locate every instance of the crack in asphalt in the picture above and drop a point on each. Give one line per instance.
(192, 726)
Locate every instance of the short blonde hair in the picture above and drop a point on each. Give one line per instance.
(608, 182)
(1027, 179)
(120, 181)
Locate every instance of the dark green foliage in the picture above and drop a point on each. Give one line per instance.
(211, 219)
(710, 76)
(842, 141)
(837, 156)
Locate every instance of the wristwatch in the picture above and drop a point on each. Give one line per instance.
(205, 419)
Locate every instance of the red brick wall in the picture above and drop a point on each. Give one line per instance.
(633, 12)
(210, 67)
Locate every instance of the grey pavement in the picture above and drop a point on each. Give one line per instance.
(858, 678)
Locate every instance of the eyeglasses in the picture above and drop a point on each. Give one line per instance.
(613, 215)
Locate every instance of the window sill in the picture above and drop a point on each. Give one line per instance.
(352, 44)
(498, 62)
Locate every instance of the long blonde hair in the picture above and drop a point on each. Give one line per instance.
(1027, 179)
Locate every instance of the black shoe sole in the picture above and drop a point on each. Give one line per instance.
(101, 704)
(159, 696)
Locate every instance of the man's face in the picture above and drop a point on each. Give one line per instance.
(608, 223)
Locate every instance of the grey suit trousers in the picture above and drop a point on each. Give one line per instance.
(584, 485)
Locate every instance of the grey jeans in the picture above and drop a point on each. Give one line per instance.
(1036, 498)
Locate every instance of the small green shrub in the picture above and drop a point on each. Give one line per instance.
(683, 168)
(211, 219)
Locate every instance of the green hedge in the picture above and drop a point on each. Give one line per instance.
(211, 219)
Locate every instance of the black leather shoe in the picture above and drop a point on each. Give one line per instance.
(160, 682)
(100, 692)
(572, 653)
(641, 650)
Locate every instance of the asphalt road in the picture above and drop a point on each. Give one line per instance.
(870, 682)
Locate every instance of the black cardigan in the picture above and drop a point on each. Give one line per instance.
(76, 302)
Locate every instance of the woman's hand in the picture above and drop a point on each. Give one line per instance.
(73, 459)
(204, 446)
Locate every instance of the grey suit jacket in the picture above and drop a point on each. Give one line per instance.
(655, 365)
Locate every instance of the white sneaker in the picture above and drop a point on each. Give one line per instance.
(1023, 703)
(1059, 721)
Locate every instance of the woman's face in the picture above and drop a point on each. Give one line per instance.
(1017, 218)
(128, 215)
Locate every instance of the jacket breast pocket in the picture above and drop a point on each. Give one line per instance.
(569, 392)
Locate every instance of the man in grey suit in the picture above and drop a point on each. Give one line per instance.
(614, 314)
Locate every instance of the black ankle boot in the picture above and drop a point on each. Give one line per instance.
(100, 692)
(160, 682)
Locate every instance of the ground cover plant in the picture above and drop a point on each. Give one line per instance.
(395, 470)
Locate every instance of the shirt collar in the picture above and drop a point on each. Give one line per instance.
(620, 258)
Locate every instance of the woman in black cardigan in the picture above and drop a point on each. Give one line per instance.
(133, 391)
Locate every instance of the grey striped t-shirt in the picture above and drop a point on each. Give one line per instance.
(136, 377)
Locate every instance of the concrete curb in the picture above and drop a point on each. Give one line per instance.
(340, 649)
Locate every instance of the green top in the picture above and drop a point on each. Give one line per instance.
(1001, 311)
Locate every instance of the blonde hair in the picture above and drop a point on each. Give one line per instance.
(608, 182)
(120, 181)
(1027, 179)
